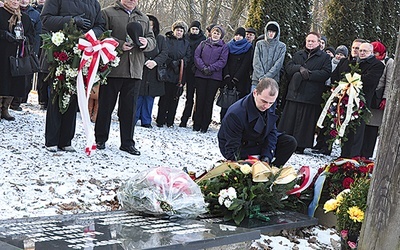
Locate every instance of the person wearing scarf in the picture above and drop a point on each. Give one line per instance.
(11, 86)
(236, 71)
(308, 71)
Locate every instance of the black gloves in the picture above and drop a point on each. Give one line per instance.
(206, 71)
(304, 73)
(8, 36)
(82, 22)
(265, 159)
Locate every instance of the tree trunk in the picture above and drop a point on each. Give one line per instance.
(381, 229)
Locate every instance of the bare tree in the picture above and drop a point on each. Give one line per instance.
(381, 229)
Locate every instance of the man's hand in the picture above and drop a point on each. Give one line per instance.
(150, 64)
(126, 46)
(382, 105)
(304, 73)
(143, 41)
(82, 22)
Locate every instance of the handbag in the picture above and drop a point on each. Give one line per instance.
(25, 65)
(227, 97)
(377, 98)
(162, 72)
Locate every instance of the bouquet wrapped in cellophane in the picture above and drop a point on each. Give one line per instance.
(162, 191)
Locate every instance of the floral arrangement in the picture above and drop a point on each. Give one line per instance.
(344, 108)
(162, 191)
(349, 207)
(245, 189)
(64, 57)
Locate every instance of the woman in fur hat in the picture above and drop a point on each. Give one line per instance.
(210, 58)
(178, 50)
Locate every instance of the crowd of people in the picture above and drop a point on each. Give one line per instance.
(186, 58)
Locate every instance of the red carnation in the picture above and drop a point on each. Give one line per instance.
(364, 169)
(333, 169)
(103, 68)
(56, 54)
(333, 133)
(61, 77)
(347, 182)
(63, 57)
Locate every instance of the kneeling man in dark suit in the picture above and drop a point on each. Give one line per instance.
(249, 128)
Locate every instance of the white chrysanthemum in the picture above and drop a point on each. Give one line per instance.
(116, 61)
(337, 142)
(232, 193)
(71, 73)
(223, 193)
(76, 50)
(221, 200)
(57, 38)
(59, 70)
(227, 203)
(66, 99)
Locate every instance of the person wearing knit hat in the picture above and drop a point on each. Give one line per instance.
(379, 50)
(219, 29)
(341, 52)
(330, 51)
(323, 42)
(178, 54)
(240, 31)
(195, 36)
(251, 34)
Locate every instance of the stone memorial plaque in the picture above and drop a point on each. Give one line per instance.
(116, 231)
(277, 221)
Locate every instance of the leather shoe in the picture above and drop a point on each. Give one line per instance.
(131, 150)
(146, 125)
(101, 145)
(323, 151)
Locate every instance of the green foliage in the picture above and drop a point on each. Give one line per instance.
(252, 197)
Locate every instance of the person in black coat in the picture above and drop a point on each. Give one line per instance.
(10, 45)
(150, 85)
(60, 128)
(194, 36)
(308, 71)
(249, 128)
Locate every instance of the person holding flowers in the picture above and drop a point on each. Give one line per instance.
(86, 15)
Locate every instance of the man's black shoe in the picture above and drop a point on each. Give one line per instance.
(146, 125)
(101, 145)
(323, 151)
(131, 150)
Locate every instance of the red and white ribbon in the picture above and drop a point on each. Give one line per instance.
(92, 49)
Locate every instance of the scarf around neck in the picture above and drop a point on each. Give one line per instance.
(239, 47)
(15, 15)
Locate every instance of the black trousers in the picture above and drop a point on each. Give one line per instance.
(205, 95)
(285, 147)
(352, 147)
(128, 90)
(167, 105)
(42, 89)
(60, 128)
(369, 141)
(190, 90)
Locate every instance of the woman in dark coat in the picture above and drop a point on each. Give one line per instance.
(194, 36)
(210, 59)
(236, 71)
(151, 86)
(308, 71)
(178, 49)
(11, 86)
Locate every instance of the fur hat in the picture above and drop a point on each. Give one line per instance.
(196, 24)
(251, 30)
(179, 24)
(240, 31)
(272, 27)
(221, 30)
(135, 30)
(379, 47)
(343, 50)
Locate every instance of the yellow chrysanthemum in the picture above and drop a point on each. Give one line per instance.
(356, 214)
(339, 197)
(330, 205)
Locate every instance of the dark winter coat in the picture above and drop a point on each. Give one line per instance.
(319, 66)
(238, 67)
(132, 61)
(194, 41)
(150, 85)
(211, 55)
(246, 131)
(56, 13)
(177, 49)
(11, 86)
(371, 71)
(34, 15)
(38, 7)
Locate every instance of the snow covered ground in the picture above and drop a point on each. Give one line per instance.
(35, 182)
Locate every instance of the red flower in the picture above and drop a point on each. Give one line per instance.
(63, 57)
(362, 104)
(103, 68)
(333, 133)
(347, 182)
(56, 54)
(364, 169)
(345, 100)
(333, 169)
(61, 77)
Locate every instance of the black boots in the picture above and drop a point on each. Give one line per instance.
(5, 102)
